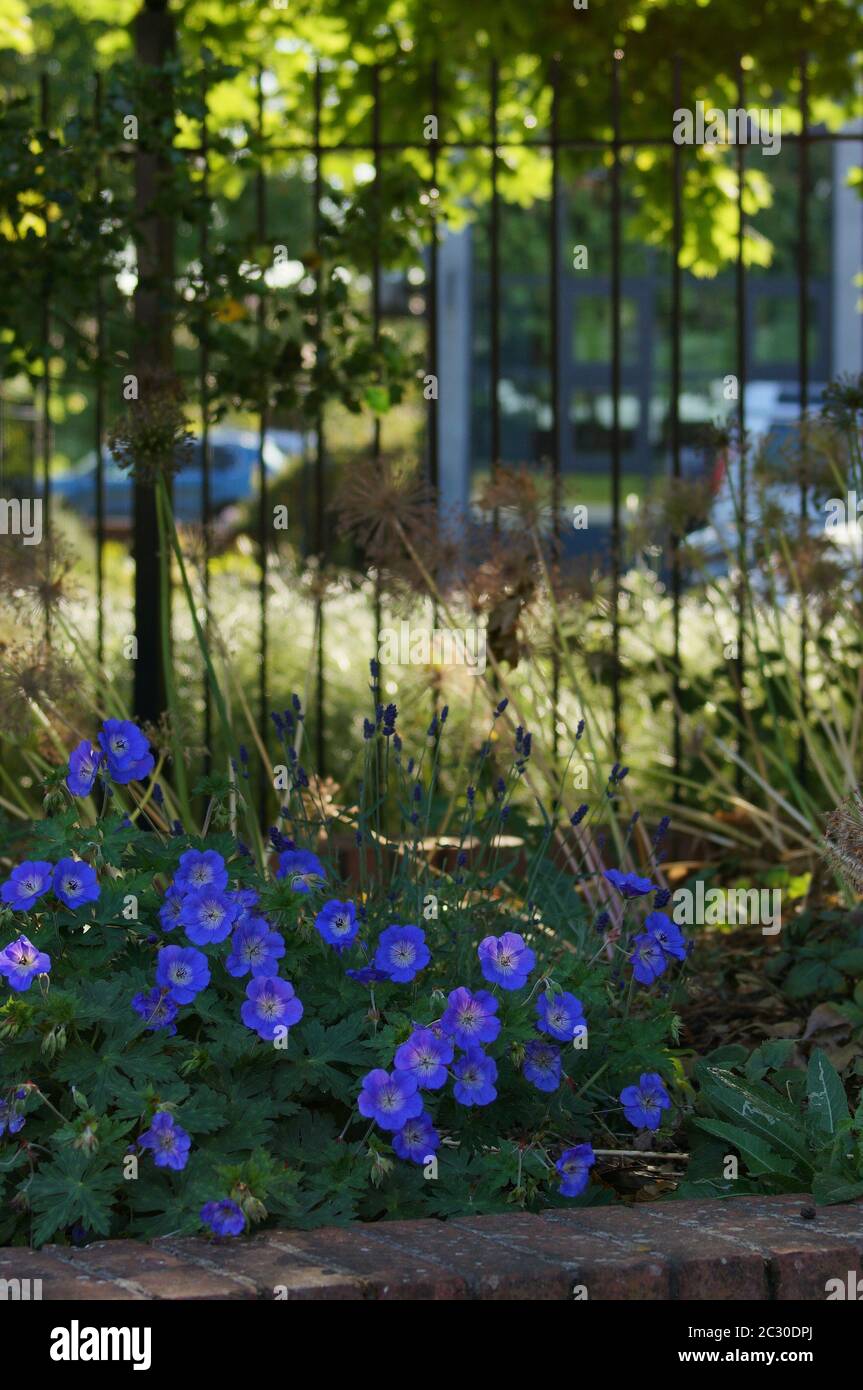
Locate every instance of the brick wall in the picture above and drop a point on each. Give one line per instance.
(743, 1248)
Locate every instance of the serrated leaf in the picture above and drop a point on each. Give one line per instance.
(70, 1190)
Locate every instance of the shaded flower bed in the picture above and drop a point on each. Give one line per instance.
(198, 1036)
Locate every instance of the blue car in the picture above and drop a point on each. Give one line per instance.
(233, 478)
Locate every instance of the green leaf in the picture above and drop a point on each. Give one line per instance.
(826, 1094)
(757, 1108)
(769, 1056)
(68, 1190)
(812, 977)
(760, 1158)
(378, 399)
(829, 1188)
(849, 961)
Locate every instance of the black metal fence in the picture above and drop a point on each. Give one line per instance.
(609, 151)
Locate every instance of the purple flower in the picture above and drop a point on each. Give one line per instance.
(417, 1139)
(666, 934)
(475, 1075)
(402, 953)
(168, 1140)
(560, 1015)
(75, 883)
(256, 947)
(629, 885)
(126, 750)
(390, 1099)
(11, 1119)
(26, 884)
(648, 959)
(425, 1056)
(246, 900)
(84, 761)
(542, 1065)
(207, 916)
(224, 1218)
(574, 1166)
(158, 1008)
(303, 868)
(199, 869)
(470, 1018)
(21, 962)
(643, 1104)
(506, 960)
(368, 975)
(271, 1004)
(337, 923)
(169, 912)
(183, 971)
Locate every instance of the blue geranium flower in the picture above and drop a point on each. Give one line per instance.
(337, 923)
(574, 1166)
(183, 971)
(207, 916)
(75, 883)
(367, 975)
(158, 1009)
(256, 947)
(168, 1140)
(11, 1119)
(199, 869)
(427, 1057)
(247, 900)
(648, 959)
(126, 750)
(169, 912)
(470, 1018)
(506, 960)
(666, 934)
(402, 953)
(542, 1067)
(475, 1075)
(224, 1218)
(561, 1016)
(643, 1104)
(629, 885)
(27, 884)
(270, 1004)
(417, 1140)
(21, 962)
(84, 763)
(304, 870)
(390, 1098)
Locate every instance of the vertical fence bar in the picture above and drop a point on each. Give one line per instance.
(99, 401)
(376, 322)
(433, 471)
(803, 370)
(261, 234)
(320, 732)
(494, 283)
(676, 333)
(740, 302)
(431, 302)
(45, 333)
(554, 334)
(615, 402)
(203, 388)
(153, 353)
